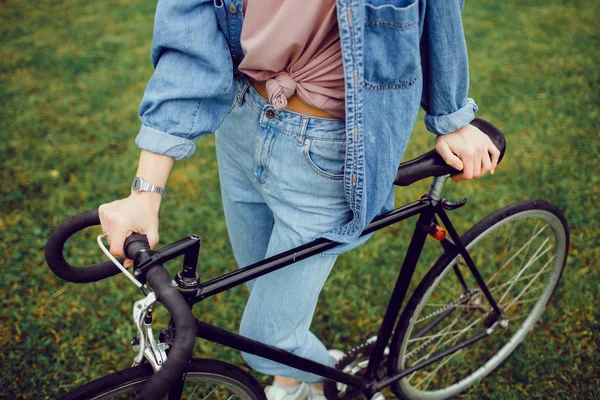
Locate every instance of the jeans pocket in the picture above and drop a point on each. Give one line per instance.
(392, 58)
(326, 157)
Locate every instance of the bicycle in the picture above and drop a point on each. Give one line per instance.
(466, 316)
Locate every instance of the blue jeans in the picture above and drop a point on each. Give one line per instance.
(282, 185)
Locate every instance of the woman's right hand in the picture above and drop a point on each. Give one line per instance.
(137, 213)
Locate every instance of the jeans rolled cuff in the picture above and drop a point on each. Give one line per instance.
(159, 142)
(443, 124)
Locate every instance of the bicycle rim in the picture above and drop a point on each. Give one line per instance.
(198, 385)
(520, 252)
(206, 379)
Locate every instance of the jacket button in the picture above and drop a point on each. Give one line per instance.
(232, 9)
(270, 114)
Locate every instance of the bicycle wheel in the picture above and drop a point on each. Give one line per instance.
(206, 379)
(520, 251)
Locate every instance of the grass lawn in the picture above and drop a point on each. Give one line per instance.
(72, 75)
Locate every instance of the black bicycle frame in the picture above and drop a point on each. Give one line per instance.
(427, 208)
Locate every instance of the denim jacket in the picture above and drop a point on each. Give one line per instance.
(397, 55)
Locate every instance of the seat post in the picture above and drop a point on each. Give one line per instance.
(435, 191)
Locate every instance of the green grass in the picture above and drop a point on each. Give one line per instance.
(72, 74)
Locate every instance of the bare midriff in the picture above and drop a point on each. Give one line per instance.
(294, 103)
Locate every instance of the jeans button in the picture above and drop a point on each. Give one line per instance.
(270, 114)
(232, 9)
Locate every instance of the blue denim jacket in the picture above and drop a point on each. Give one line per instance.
(397, 55)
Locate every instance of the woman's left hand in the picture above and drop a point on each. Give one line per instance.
(468, 150)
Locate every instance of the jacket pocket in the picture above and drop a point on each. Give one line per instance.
(392, 58)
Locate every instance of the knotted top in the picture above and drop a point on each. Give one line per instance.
(280, 88)
(295, 47)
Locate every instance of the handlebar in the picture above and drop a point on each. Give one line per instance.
(156, 276)
(55, 246)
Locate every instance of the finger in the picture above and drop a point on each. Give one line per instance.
(128, 263)
(152, 239)
(486, 162)
(477, 161)
(104, 221)
(117, 241)
(495, 153)
(442, 148)
(467, 160)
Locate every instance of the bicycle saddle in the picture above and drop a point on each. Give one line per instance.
(432, 164)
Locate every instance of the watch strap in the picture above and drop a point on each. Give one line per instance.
(140, 185)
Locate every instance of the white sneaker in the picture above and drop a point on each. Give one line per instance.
(303, 392)
(336, 354)
(275, 393)
(316, 396)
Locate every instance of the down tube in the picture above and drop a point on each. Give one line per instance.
(241, 343)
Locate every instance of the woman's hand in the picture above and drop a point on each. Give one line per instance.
(468, 150)
(136, 213)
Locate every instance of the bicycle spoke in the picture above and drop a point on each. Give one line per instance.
(538, 254)
(431, 374)
(211, 392)
(423, 345)
(526, 245)
(419, 348)
(527, 250)
(433, 336)
(451, 342)
(530, 283)
(495, 289)
(194, 391)
(505, 252)
(452, 339)
(442, 332)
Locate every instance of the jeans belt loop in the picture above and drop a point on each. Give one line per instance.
(302, 131)
(243, 91)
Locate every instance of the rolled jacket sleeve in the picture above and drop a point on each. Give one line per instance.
(445, 68)
(192, 86)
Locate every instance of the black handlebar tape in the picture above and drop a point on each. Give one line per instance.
(185, 334)
(432, 164)
(135, 243)
(56, 260)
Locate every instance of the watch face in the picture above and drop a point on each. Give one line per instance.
(136, 184)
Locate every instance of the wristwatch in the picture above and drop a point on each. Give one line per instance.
(140, 185)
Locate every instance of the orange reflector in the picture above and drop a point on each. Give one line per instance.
(438, 233)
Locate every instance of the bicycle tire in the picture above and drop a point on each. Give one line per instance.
(541, 253)
(126, 384)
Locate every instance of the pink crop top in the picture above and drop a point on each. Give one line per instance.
(294, 46)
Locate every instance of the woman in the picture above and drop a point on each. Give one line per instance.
(313, 103)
